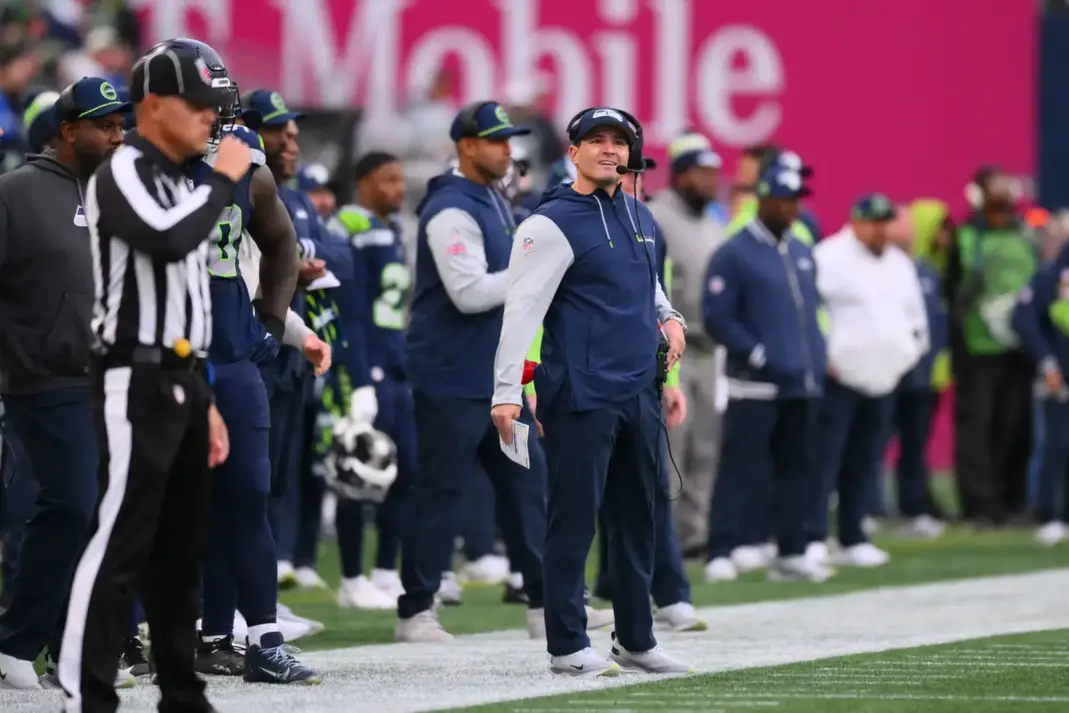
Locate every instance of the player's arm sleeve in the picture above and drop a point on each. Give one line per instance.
(296, 330)
(133, 215)
(456, 244)
(533, 278)
(720, 309)
(1027, 318)
(273, 232)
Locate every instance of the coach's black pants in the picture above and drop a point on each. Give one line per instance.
(148, 537)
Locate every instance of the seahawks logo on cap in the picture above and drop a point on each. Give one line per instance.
(108, 92)
(202, 71)
(607, 112)
(277, 103)
(501, 115)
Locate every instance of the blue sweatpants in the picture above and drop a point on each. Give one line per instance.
(397, 420)
(851, 440)
(240, 570)
(1052, 492)
(912, 417)
(453, 436)
(764, 439)
(19, 494)
(602, 458)
(287, 395)
(55, 430)
(480, 517)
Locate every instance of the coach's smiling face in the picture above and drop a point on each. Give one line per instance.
(598, 154)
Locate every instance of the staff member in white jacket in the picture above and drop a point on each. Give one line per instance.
(879, 331)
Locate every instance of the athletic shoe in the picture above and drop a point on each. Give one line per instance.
(864, 554)
(360, 593)
(16, 673)
(272, 661)
(133, 658)
(287, 578)
(449, 592)
(598, 618)
(123, 678)
(1053, 533)
(298, 625)
(308, 578)
(389, 581)
(721, 569)
(799, 568)
(514, 593)
(749, 558)
(218, 657)
(679, 617)
(656, 660)
(585, 662)
(485, 571)
(423, 628)
(923, 527)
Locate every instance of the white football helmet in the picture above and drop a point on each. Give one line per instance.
(362, 465)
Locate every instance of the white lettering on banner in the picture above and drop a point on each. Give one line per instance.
(474, 52)
(672, 32)
(618, 51)
(169, 18)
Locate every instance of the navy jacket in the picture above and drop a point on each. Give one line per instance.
(761, 304)
(920, 378)
(1040, 338)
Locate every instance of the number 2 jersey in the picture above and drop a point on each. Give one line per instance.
(379, 261)
(236, 332)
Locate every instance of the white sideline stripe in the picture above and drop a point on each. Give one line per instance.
(506, 666)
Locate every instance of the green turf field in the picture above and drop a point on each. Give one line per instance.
(1026, 673)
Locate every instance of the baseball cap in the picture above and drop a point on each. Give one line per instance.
(266, 108)
(90, 98)
(484, 120)
(791, 161)
(603, 116)
(173, 70)
(39, 121)
(873, 206)
(692, 150)
(780, 182)
(312, 177)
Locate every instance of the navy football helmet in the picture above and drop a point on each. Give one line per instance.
(220, 78)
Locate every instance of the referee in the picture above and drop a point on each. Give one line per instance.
(583, 265)
(158, 430)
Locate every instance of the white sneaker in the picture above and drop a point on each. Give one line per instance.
(798, 568)
(817, 552)
(923, 527)
(449, 592)
(599, 618)
(679, 617)
(864, 554)
(770, 551)
(285, 616)
(16, 673)
(388, 581)
(870, 525)
(586, 662)
(308, 578)
(486, 571)
(360, 593)
(656, 660)
(536, 623)
(721, 569)
(423, 628)
(124, 679)
(749, 558)
(1053, 533)
(286, 576)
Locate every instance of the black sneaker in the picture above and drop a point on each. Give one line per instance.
(513, 595)
(133, 658)
(272, 661)
(218, 657)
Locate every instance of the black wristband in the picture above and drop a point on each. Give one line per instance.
(275, 326)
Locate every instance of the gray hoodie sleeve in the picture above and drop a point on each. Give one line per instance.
(664, 307)
(456, 243)
(540, 257)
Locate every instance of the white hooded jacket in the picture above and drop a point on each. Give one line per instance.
(879, 327)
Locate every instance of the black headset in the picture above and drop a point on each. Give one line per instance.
(469, 119)
(635, 162)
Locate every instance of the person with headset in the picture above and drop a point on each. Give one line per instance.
(583, 265)
(465, 234)
(46, 269)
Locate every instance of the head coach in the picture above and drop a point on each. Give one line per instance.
(583, 264)
(46, 302)
(465, 235)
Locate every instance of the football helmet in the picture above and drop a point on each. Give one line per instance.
(362, 465)
(220, 77)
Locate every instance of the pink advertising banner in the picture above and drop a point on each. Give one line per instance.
(908, 97)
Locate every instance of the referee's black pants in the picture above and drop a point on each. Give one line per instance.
(148, 537)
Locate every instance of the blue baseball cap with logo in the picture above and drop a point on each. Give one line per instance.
(780, 182)
(690, 150)
(312, 177)
(90, 98)
(264, 108)
(484, 120)
(602, 116)
(875, 207)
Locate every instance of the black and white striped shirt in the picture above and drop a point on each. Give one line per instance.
(149, 239)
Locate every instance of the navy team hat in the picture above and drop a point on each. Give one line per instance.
(312, 177)
(875, 207)
(264, 108)
(779, 182)
(90, 98)
(604, 116)
(484, 120)
(790, 161)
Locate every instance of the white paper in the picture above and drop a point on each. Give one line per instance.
(518, 451)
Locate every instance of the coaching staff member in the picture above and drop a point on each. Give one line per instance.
(462, 251)
(584, 266)
(46, 298)
(158, 431)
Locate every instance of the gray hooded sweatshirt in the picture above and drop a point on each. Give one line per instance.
(46, 279)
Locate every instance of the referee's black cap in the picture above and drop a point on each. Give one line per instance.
(176, 70)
